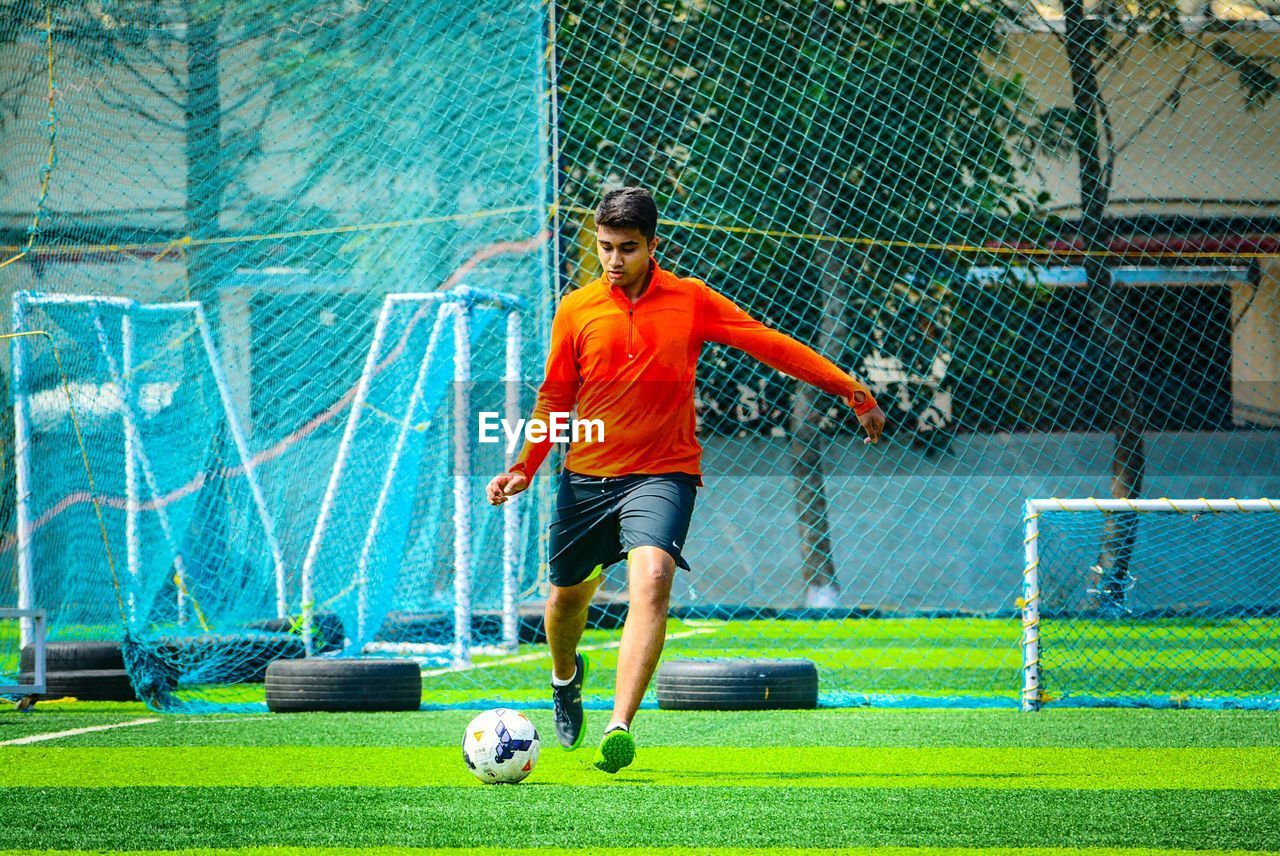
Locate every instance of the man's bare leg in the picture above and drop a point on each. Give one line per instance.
(567, 609)
(566, 618)
(651, 571)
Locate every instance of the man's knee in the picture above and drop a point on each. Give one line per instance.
(652, 570)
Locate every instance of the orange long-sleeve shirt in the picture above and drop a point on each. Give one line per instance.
(632, 366)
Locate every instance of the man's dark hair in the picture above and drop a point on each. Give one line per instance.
(629, 208)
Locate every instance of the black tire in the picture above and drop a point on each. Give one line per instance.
(415, 627)
(226, 659)
(86, 685)
(295, 686)
(327, 627)
(74, 656)
(737, 685)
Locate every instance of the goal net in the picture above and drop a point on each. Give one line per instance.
(404, 551)
(140, 516)
(161, 534)
(1159, 602)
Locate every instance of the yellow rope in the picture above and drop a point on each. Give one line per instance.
(181, 585)
(939, 246)
(93, 491)
(84, 458)
(163, 249)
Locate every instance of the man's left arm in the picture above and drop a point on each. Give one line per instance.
(725, 322)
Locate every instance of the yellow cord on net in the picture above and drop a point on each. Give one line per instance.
(84, 458)
(821, 237)
(162, 249)
(93, 491)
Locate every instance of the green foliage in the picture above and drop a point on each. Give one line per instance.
(1254, 74)
(877, 121)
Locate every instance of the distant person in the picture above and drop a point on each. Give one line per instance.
(624, 350)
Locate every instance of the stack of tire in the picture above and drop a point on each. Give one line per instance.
(88, 671)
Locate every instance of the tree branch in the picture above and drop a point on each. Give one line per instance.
(1108, 141)
(168, 69)
(1124, 45)
(150, 86)
(1119, 53)
(138, 110)
(1171, 102)
(249, 95)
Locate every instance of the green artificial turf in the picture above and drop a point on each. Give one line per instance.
(1098, 779)
(826, 778)
(1166, 658)
(1054, 727)
(639, 816)
(738, 766)
(656, 851)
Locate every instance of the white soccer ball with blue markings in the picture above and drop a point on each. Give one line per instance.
(501, 746)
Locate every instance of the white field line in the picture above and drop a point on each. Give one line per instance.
(38, 738)
(528, 658)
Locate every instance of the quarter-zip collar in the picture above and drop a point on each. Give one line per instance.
(655, 275)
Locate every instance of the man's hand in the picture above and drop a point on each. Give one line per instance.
(873, 422)
(506, 485)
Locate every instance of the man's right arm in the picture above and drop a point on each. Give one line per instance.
(557, 394)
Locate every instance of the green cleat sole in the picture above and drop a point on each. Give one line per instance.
(617, 750)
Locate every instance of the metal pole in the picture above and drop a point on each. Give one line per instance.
(1162, 504)
(511, 511)
(22, 468)
(124, 382)
(335, 477)
(136, 457)
(39, 676)
(461, 486)
(384, 494)
(1030, 603)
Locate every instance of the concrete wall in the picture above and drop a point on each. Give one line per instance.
(1255, 347)
(1211, 147)
(945, 533)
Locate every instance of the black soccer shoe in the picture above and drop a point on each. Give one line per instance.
(570, 720)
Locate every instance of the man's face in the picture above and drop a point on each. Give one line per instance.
(624, 255)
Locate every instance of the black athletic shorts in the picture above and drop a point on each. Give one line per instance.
(599, 519)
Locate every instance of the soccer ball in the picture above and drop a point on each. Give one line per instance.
(501, 746)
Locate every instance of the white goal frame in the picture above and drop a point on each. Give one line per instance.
(455, 306)
(1030, 600)
(133, 451)
(39, 675)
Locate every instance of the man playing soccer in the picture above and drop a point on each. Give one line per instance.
(624, 350)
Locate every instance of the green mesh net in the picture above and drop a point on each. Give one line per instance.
(1183, 611)
(274, 258)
